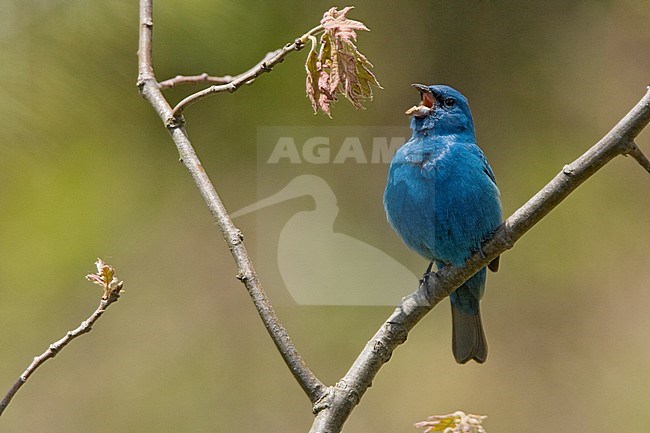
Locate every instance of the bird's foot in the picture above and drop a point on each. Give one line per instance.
(480, 251)
(426, 274)
(427, 282)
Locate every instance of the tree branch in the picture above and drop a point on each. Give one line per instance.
(334, 409)
(265, 65)
(150, 90)
(112, 288)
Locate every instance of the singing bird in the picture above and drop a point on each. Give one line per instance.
(442, 199)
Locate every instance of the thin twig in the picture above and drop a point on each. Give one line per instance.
(266, 65)
(195, 79)
(57, 346)
(640, 157)
(206, 78)
(150, 90)
(334, 409)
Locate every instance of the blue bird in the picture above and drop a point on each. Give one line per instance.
(442, 199)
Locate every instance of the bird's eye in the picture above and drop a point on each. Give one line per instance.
(450, 102)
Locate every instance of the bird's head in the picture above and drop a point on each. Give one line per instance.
(442, 109)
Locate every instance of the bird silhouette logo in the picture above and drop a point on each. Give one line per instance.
(322, 267)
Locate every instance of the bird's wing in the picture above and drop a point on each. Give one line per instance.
(494, 264)
(474, 149)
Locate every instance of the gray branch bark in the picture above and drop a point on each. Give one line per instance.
(333, 404)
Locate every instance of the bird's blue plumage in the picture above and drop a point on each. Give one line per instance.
(442, 200)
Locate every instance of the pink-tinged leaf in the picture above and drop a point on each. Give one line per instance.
(95, 279)
(339, 67)
(105, 277)
(325, 97)
(339, 25)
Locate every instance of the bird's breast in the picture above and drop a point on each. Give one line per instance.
(441, 202)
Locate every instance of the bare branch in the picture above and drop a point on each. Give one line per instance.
(195, 79)
(150, 90)
(112, 288)
(266, 65)
(334, 409)
(205, 78)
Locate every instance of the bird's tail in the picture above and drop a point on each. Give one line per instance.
(468, 338)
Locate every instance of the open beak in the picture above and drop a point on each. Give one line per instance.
(427, 105)
(425, 93)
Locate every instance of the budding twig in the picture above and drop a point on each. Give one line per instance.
(112, 289)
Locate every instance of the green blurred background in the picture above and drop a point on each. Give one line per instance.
(87, 170)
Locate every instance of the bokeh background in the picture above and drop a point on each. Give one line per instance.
(87, 170)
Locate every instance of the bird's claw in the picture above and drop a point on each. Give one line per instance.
(427, 274)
